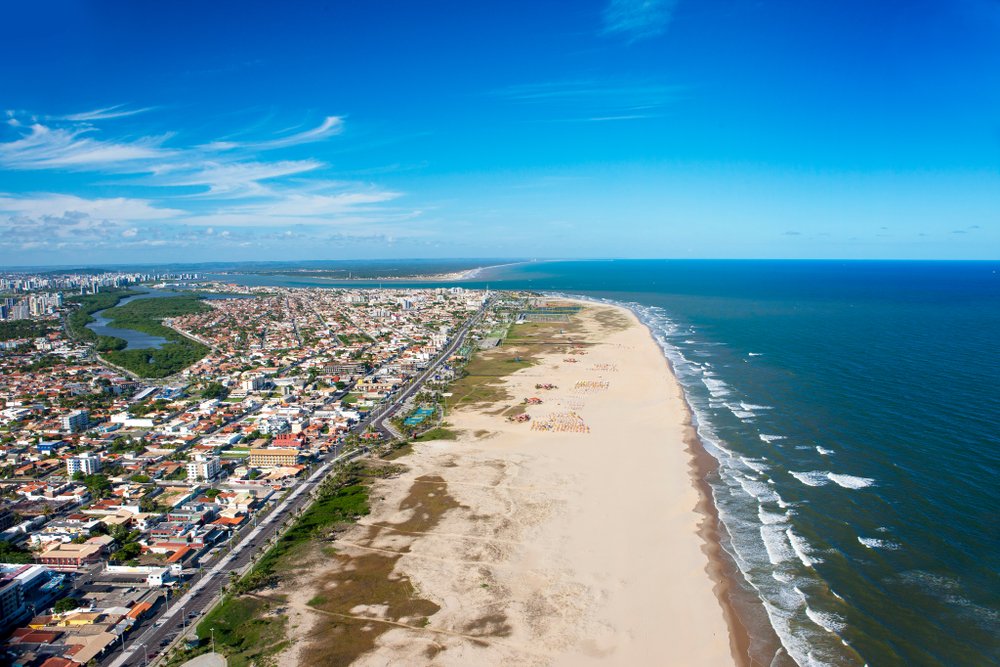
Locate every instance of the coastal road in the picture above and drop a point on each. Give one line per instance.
(206, 586)
(378, 417)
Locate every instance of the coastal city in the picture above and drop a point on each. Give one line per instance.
(156, 431)
(465, 334)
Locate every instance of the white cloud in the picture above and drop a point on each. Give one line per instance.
(115, 208)
(304, 205)
(594, 100)
(228, 185)
(117, 111)
(49, 148)
(232, 179)
(638, 19)
(331, 126)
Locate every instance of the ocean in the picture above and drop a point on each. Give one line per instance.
(853, 409)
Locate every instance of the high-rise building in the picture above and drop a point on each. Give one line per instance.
(203, 467)
(76, 421)
(88, 464)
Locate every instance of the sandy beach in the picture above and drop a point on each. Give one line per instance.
(569, 539)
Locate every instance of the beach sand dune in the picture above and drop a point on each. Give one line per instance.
(570, 539)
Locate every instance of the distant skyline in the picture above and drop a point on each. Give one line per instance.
(188, 132)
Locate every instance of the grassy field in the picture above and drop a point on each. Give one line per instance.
(247, 632)
(482, 380)
(247, 625)
(342, 500)
(369, 579)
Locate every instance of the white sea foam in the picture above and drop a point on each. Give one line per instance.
(814, 478)
(757, 465)
(785, 610)
(876, 543)
(715, 387)
(771, 518)
(781, 577)
(754, 354)
(751, 406)
(743, 415)
(823, 451)
(850, 481)
(796, 645)
(827, 621)
(758, 490)
(776, 544)
(770, 438)
(801, 548)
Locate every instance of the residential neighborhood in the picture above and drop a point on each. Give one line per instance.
(116, 489)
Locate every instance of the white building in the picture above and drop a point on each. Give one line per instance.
(76, 421)
(203, 467)
(88, 464)
(255, 383)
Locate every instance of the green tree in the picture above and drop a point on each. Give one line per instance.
(65, 604)
(214, 390)
(128, 552)
(10, 553)
(99, 485)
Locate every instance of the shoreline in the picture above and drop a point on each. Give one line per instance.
(452, 276)
(579, 537)
(720, 567)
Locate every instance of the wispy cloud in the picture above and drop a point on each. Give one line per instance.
(114, 208)
(70, 143)
(330, 127)
(232, 179)
(43, 147)
(594, 100)
(306, 205)
(108, 113)
(574, 91)
(636, 20)
(196, 187)
(184, 188)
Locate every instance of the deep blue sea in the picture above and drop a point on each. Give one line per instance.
(854, 411)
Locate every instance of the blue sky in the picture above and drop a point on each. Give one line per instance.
(204, 131)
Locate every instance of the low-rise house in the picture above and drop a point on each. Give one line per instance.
(61, 556)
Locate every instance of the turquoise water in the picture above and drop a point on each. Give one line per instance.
(420, 415)
(854, 411)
